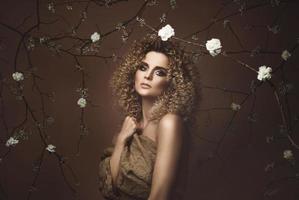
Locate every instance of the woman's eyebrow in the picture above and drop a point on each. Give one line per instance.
(159, 67)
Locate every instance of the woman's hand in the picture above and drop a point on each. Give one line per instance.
(128, 128)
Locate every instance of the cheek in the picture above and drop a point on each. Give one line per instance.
(162, 84)
(137, 76)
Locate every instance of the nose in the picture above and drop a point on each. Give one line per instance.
(148, 75)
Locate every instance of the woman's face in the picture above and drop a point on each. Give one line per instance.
(153, 72)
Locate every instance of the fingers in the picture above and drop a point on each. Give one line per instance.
(134, 121)
(131, 119)
(130, 124)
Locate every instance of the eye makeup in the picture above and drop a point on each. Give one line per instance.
(160, 71)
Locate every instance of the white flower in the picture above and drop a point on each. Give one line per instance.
(288, 154)
(285, 54)
(166, 32)
(163, 18)
(225, 23)
(264, 73)
(18, 76)
(82, 102)
(95, 37)
(69, 7)
(141, 21)
(51, 7)
(51, 148)
(194, 37)
(214, 46)
(274, 29)
(42, 40)
(172, 3)
(11, 142)
(235, 106)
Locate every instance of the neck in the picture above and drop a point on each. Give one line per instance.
(147, 104)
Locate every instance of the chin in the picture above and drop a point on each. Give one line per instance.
(144, 93)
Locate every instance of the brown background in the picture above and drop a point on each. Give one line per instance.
(244, 150)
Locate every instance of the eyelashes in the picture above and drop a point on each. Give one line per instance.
(158, 72)
(141, 67)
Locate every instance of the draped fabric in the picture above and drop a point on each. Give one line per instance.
(136, 168)
(135, 171)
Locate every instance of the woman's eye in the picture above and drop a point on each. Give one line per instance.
(142, 67)
(160, 73)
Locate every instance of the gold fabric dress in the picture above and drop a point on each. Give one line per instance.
(136, 168)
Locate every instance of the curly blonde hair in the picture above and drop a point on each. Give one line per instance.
(182, 95)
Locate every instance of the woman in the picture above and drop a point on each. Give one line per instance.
(158, 88)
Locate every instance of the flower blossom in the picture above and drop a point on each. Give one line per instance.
(264, 73)
(95, 37)
(11, 142)
(82, 102)
(18, 76)
(214, 46)
(274, 29)
(166, 32)
(51, 148)
(288, 154)
(51, 7)
(235, 106)
(285, 55)
(141, 21)
(163, 18)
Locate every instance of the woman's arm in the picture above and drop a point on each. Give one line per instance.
(128, 128)
(170, 136)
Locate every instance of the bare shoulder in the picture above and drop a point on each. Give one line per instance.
(171, 120)
(170, 127)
